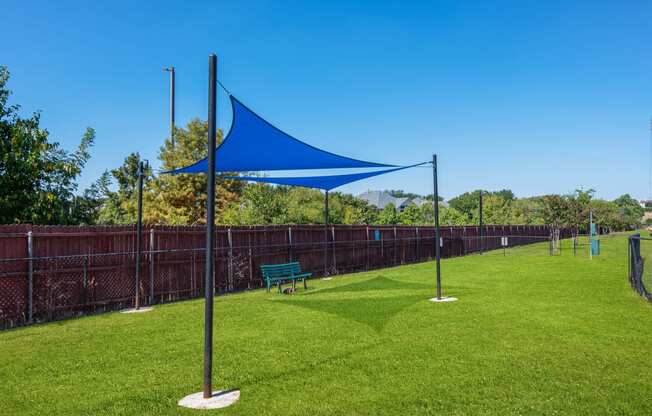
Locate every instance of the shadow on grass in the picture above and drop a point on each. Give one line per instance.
(377, 283)
(373, 311)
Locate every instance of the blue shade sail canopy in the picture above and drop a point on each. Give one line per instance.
(320, 182)
(253, 144)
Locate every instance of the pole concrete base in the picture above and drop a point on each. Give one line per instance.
(444, 299)
(139, 310)
(219, 399)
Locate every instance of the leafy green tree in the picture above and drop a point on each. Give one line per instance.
(506, 194)
(495, 209)
(467, 204)
(411, 215)
(630, 211)
(399, 193)
(38, 178)
(526, 211)
(120, 206)
(555, 210)
(356, 211)
(389, 215)
(181, 199)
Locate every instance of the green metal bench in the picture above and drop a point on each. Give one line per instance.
(279, 273)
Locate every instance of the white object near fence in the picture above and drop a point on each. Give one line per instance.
(504, 242)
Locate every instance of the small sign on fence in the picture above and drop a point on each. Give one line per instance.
(504, 242)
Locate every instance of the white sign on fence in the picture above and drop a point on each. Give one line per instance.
(503, 241)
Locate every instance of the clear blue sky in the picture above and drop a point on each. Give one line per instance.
(539, 97)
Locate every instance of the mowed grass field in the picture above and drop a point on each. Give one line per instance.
(530, 335)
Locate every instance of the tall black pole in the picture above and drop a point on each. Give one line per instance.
(172, 83)
(210, 219)
(326, 251)
(481, 226)
(435, 204)
(139, 230)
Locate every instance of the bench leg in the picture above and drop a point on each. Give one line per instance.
(305, 285)
(268, 286)
(294, 284)
(279, 287)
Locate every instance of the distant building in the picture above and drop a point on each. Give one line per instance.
(380, 199)
(645, 203)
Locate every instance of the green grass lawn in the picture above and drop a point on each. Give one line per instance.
(530, 335)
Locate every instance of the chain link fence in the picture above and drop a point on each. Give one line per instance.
(640, 276)
(41, 287)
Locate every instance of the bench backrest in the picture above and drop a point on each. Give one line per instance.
(280, 270)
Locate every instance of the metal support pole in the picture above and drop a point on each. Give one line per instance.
(30, 277)
(139, 229)
(436, 209)
(172, 84)
(210, 221)
(326, 256)
(481, 226)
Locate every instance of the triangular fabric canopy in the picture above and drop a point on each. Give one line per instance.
(253, 144)
(319, 182)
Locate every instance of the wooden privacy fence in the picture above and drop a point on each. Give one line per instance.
(51, 272)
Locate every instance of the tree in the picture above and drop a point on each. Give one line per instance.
(526, 211)
(495, 209)
(411, 215)
(555, 210)
(399, 193)
(37, 177)
(467, 204)
(181, 199)
(388, 215)
(121, 206)
(630, 211)
(505, 194)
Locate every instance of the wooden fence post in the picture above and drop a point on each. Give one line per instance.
(230, 262)
(333, 249)
(395, 246)
(251, 267)
(367, 247)
(290, 243)
(85, 280)
(151, 266)
(416, 231)
(30, 277)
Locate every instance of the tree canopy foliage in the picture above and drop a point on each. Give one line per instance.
(38, 178)
(38, 184)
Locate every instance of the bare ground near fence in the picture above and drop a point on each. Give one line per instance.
(53, 272)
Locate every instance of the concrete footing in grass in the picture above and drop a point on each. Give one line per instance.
(139, 310)
(219, 399)
(444, 299)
